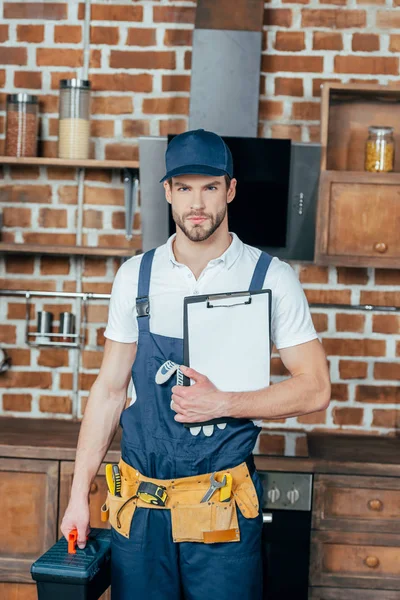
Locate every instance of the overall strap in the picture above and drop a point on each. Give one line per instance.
(142, 300)
(260, 272)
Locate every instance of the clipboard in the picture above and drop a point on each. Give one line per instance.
(227, 337)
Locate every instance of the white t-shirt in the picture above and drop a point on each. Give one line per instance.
(171, 281)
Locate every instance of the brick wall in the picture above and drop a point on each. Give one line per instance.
(140, 55)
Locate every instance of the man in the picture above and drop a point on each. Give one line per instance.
(145, 329)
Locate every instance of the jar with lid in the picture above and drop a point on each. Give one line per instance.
(379, 151)
(22, 125)
(74, 119)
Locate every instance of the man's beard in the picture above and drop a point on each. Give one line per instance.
(201, 231)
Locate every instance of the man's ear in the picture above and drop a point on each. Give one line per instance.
(168, 194)
(232, 190)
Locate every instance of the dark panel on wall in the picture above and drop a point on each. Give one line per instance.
(243, 15)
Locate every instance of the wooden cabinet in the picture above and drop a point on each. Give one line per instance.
(29, 498)
(18, 591)
(320, 593)
(358, 214)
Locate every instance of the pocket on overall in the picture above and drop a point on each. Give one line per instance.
(208, 522)
(121, 511)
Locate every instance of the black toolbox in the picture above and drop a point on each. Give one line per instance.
(84, 575)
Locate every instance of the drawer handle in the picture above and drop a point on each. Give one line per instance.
(372, 562)
(93, 488)
(375, 504)
(380, 247)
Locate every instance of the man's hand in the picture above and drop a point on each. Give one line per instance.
(199, 402)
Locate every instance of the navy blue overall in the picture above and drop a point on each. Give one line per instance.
(149, 564)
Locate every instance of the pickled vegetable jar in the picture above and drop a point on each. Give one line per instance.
(379, 150)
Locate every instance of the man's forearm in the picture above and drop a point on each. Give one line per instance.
(98, 427)
(298, 395)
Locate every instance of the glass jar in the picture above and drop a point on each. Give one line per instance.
(379, 150)
(22, 125)
(74, 119)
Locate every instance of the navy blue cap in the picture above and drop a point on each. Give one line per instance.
(198, 152)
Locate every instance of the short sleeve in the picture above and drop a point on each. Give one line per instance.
(291, 322)
(122, 323)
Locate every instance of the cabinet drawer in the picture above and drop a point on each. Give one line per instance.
(328, 593)
(356, 503)
(363, 219)
(360, 560)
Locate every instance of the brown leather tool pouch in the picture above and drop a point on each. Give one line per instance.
(207, 522)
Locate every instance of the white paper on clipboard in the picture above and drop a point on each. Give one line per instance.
(228, 339)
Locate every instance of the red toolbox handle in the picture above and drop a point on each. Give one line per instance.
(72, 538)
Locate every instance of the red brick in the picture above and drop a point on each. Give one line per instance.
(270, 109)
(55, 265)
(121, 59)
(385, 418)
(13, 56)
(53, 357)
(93, 219)
(387, 277)
(104, 176)
(338, 2)
(384, 394)
(188, 60)
(317, 83)
(57, 308)
(365, 42)
(91, 359)
(173, 126)
(55, 404)
(27, 284)
(59, 57)
(386, 324)
(94, 267)
(17, 263)
(315, 418)
(292, 132)
(373, 2)
(380, 298)
(30, 33)
(328, 296)
(394, 44)
(350, 322)
(272, 443)
(68, 34)
(28, 79)
(388, 19)
(333, 18)
(101, 128)
(176, 83)
(288, 87)
(352, 369)
(115, 241)
(52, 239)
(174, 14)
(289, 41)
(100, 339)
(121, 152)
(340, 392)
(2, 78)
(387, 370)
(135, 127)
(178, 37)
(35, 10)
(313, 274)
(367, 65)
(16, 217)
(112, 12)
(350, 347)
(66, 381)
(281, 17)
(8, 334)
(3, 33)
(347, 416)
(118, 220)
(320, 321)
(104, 35)
(68, 194)
(327, 40)
(306, 64)
(122, 82)
(17, 402)
(306, 111)
(167, 106)
(141, 37)
(101, 196)
(26, 379)
(352, 275)
(50, 217)
(112, 105)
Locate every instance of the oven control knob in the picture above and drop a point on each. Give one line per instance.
(293, 495)
(273, 494)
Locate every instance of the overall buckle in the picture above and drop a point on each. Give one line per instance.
(143, 306)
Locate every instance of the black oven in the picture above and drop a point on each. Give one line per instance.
(286, 534)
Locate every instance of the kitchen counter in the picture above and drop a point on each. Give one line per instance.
(324, 453)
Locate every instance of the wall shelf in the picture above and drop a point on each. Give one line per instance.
(64, 250)
(61, 162)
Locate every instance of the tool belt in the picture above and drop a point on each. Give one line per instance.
(192, 520)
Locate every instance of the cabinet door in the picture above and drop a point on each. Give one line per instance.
(351, 503)
(28, 492)
(98, 493)
(364, 219)
(328, 593)
(18, 591)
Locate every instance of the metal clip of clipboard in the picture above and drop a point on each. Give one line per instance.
(229, 295)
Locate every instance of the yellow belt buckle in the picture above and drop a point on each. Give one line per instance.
(225, 492)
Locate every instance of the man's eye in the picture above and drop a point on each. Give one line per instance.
(211, 187)
(182, 189)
